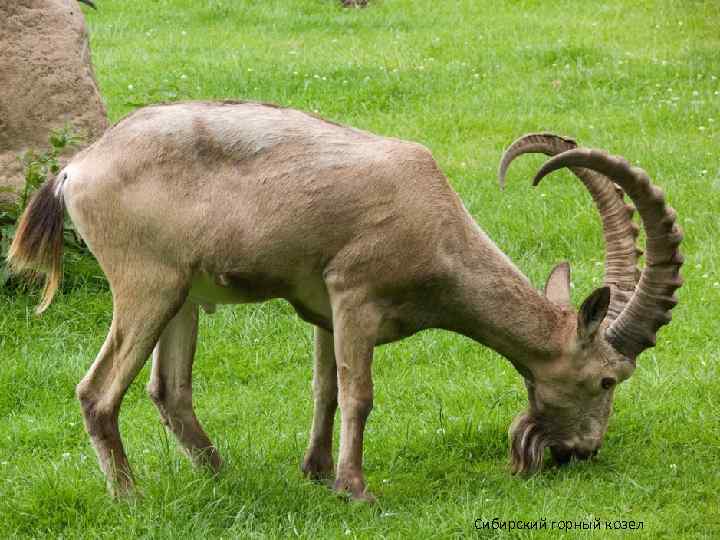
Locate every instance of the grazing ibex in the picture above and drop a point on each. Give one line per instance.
(196, 204)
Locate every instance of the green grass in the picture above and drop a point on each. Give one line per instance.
(638, 77)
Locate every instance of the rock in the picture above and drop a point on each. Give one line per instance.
(46, 78)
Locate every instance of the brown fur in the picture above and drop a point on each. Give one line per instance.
(38, 242)
(527, 444)
(200, 203)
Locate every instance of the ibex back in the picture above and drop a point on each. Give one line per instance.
(197, 204)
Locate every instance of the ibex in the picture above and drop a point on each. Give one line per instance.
(198, 204)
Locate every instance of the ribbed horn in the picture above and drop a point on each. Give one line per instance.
(88, 2)
(532, 143)
(636, 327)
(619, 231)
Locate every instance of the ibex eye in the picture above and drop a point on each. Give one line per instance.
(607, 383)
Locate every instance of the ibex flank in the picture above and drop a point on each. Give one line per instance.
(197, 204)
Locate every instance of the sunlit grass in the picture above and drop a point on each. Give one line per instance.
(464, 78)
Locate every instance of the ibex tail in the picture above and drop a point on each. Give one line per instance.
(38, 242)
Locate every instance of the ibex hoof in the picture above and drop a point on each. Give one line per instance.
(123, 490)
(354, 489)
(318, 467)
(208, 459)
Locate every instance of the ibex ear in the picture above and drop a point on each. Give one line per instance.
(592, 313)
(557, 288)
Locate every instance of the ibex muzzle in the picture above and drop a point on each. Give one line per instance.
(195, 204)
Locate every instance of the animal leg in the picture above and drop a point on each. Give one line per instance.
(355, 333)
(318, 462)
(170, 386)
(139, 316)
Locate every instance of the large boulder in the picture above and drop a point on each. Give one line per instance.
(46, 79)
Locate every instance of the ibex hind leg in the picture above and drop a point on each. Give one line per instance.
(318, 462)
(170, 386)
(140, 313)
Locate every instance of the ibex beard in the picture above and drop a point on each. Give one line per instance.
(527, 444)
(530, 436)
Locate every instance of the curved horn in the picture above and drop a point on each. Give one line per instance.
(88, 2)
(546, 143)
(619, 231)
(635, 328)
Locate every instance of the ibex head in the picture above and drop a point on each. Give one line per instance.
(570, 395)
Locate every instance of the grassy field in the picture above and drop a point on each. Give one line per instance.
(640, 78)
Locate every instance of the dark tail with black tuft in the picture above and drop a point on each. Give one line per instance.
(38, 243)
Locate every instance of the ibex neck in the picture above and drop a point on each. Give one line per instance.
(496, 305)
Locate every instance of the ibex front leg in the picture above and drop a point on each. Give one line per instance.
(170, 386)
(318, 462)
(355, 331)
